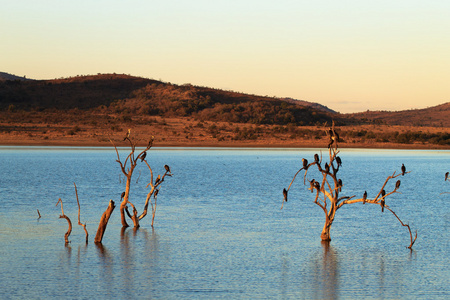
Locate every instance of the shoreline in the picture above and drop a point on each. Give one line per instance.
(207, 144)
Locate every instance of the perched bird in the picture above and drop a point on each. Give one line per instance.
(446, 176)
(397, 184)
(403, 169)
(317, 185)
(128, 134)
(285, 193)
(316, 158)
(311, 184)
(305, 163)
(339, 161)
(364, 197)
(157, 179)
(340, 184)
(383, 193)
(143, 156)
(123, 195)
(156, 193)
(167, 168)
(336, 135)
(327, 168)
(150, 142)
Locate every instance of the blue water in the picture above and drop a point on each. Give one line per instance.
(219, 231)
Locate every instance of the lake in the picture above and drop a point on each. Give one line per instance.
(219, 231)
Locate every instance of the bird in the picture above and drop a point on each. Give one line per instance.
(403, 169)
(156, 193)
(305, 163)
(317, 185)
(285, 193)
(364, 197)
(383, 193)
(167, 168)
(143, 156)
(157, 179)
(150, 142)
(397, 184)
(446, 176)
(123, 195)
(336, 135)
(128, 134)
(316, 158)
(339, 161)
(340, 184)
(311, 184)
(327, 167)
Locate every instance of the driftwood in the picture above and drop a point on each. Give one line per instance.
(104, 222)
(328, 186)
(66, 236)
(79, 222)
(39, 214)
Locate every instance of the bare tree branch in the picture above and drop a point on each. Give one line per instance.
(66, 236)
(79, 222)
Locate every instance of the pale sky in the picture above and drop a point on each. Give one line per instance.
(348, 55)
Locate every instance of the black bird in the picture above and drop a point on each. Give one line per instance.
(336, 135)
(339, 161)
(167, 168)
(157, 179)
(446, 176)
(364, 197)
(383, 193)
(285, 193)
(397, 184)
(340, 184)
(123, 195)
(327, 167)
(316, 158)
(305, 163)
(311, 184)
(156, 193)
(317, 185)
(403, 169)
(143, 156)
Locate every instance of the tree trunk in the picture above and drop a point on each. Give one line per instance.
(104, 222)
(124, 202)
(325, 236)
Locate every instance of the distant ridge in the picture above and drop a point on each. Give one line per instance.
(6, 76)
(435, 116)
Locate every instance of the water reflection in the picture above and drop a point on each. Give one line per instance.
(325, 273)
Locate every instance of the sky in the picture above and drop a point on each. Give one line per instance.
(351, 56)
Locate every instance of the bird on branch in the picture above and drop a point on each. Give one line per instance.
(285, 194)
(339, 161)
(167, 168)
(143, 156)
(364, 197)
(383, 193)
(316, 158)
(397, 184)
(403, 169)
(128, 134)
(158, 179)
(446, 176)
(305, 163)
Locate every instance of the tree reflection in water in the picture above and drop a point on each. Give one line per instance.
(325, 277)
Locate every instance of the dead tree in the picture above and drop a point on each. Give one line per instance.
(79, 222)
(127, 170)
(327, 187)
(66, 236)
(104, 222)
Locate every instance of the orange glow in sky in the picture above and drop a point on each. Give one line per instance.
(348, 55)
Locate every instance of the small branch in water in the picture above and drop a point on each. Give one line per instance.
(39, 214)
(79, 222)
(66, 236)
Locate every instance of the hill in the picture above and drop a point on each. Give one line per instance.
(436, 116)
(130, 95)
(6, 76)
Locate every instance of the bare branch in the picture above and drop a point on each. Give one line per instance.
(66, 236)
(79, 222)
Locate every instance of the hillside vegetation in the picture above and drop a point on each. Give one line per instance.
(92, 109)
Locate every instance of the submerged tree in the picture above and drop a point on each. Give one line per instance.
(63, 216)
(127, 168)
(327, 187)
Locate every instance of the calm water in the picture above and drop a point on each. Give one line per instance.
(219, 231)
